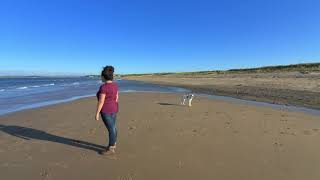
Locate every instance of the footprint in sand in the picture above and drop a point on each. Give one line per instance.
(130, 176)
(92, 131)
(228, 116)
(172, 115)
(180, 164)
(284, 120)
(45, 174)
(149, 128)
(227, 124)
(235, 131)
(228, 120)
(199, 132)
(132, 128)
(83, 155)
(61, 164)
(29, 157)
(125, 178)
(179, 132)
(277, 146)
(287, 133)
(307, 132)
(195, 131)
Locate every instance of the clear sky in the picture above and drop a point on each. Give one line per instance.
(139, 36)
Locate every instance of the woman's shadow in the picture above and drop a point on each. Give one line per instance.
(29, 134)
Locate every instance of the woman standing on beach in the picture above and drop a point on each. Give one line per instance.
(108, 106)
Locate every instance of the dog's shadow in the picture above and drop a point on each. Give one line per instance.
(169, 104)
(27, 133)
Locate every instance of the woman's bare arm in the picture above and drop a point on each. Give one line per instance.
(102, 98)
(117, 97)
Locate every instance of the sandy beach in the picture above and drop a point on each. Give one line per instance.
(284, 88)
(160, 139)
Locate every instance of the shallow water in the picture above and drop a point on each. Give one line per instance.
(25, 93)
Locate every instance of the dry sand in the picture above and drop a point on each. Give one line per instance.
(159, 139)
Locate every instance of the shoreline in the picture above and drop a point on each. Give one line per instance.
(231, 99)
(45, 103)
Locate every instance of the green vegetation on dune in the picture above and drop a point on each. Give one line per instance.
(302, 68)
(295, 67)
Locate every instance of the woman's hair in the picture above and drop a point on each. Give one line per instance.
(107, 73)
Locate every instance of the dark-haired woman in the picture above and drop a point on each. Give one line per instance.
(108, 106)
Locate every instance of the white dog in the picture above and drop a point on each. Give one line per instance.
(187, 97)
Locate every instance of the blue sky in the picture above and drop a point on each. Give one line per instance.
(139, 36)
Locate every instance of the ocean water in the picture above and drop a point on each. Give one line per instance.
(25, 93)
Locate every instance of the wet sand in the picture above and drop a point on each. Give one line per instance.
(160, 139)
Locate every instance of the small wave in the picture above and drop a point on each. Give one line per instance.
(51, 84)
(35, 86)
(24, 87)
(128, 91)
(1, 90)
(42, 85)
(70, 84)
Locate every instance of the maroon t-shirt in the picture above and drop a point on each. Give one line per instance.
(110, 104)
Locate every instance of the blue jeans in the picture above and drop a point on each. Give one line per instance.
(109, 121)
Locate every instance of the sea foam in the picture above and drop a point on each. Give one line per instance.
(24, 87)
